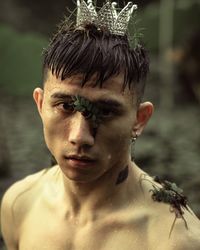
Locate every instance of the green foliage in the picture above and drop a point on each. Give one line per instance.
(21, 62)
(88, 109)
(186, 22)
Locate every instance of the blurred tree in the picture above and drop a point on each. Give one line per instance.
(20, 64)
(188, 70)
(5, 170)
(186, 22)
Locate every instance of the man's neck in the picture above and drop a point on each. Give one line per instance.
(109, 192)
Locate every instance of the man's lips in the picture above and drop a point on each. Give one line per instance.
(80, 158)
(82, 161)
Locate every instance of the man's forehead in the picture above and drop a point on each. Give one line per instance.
(114, 82)
(72, 85)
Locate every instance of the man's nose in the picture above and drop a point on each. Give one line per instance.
(80, 132)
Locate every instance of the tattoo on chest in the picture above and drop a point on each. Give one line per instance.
(171, 194)
(122, 175)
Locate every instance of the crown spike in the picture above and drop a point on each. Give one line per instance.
(114, 4)
(107, 17)
(83, 13)
(123, 18)
(92, 10)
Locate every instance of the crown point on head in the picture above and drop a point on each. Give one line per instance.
(107, 17)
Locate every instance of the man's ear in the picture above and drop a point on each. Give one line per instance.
(144, 113)
(38, 97)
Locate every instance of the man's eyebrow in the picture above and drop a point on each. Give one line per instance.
(109, 103)
(59, 95)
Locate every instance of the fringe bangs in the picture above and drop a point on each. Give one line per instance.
(90, 53)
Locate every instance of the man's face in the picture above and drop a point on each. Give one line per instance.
(81, 155)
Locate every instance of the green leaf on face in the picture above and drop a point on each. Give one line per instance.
(88, 109)
(76, 103)
(80, 109)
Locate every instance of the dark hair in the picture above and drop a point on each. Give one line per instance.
(90, 50)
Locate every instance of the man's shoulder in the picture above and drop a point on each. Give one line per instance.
(21, 186)
(15, 205)
(172, 221)
(186, 238)
(173, 231)
(18, 192)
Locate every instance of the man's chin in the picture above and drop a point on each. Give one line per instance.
(78, 175)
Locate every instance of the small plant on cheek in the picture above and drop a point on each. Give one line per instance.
(89, 110)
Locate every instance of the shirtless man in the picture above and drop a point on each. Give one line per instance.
(95, 198)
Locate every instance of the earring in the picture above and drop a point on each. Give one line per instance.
(134, 138)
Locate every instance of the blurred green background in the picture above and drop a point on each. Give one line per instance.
(170, 145)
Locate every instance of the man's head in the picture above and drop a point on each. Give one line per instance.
(90, 51)
(101, 68)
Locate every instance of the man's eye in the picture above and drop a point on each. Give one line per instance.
(105, 112)
(66, 107)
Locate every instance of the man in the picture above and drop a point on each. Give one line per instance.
(95, 198)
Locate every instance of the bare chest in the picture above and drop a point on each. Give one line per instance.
(52, 233)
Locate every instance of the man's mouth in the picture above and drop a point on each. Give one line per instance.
(80, 158)
(82, 161)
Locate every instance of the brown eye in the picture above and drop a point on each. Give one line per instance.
(105, 112)
(66, 107)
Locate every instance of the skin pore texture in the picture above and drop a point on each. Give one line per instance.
(93, 199)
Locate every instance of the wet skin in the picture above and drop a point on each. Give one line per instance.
(77, 205)
(69, 133)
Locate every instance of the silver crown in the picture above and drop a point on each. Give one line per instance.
(107, 17)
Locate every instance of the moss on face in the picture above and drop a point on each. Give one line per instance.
(88, 109)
